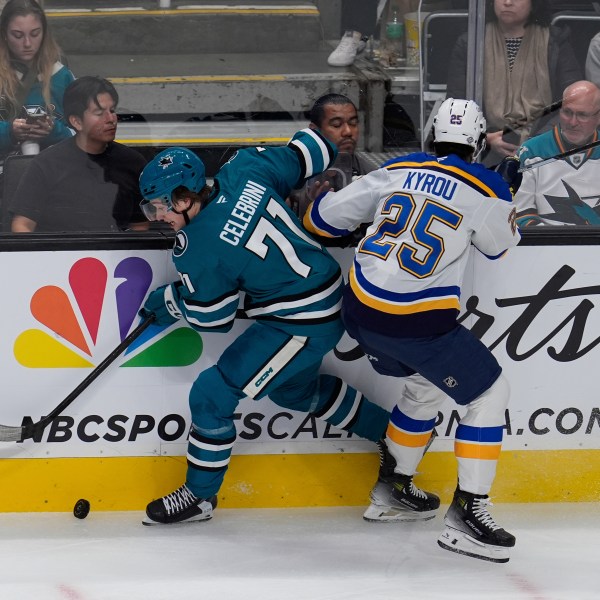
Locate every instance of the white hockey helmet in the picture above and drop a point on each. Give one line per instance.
(460, 122)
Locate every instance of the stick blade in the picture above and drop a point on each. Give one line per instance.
(10, 433)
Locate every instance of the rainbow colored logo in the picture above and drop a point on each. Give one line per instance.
(63, 342)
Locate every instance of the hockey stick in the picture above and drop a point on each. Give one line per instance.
(560, 156)
(432, 437)
(16, 433)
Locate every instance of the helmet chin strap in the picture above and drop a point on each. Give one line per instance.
(481, 146)
(183, 213)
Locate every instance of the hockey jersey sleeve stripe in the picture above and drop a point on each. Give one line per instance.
(402, 304)
(456, 172)
(213, 305)
(211, 316)
(306, 314)
(313, 314)
(214, 324)
(299, 300)
(306, 163)
(396, 309)
(317, 154)
(314, 223)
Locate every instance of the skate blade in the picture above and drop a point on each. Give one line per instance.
(197, 519)
(377, 513)
(462, 543)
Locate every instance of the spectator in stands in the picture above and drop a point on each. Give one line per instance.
(592, 61)
(527, 66)
(85, 183)
(566, 191)
(32, 79)
(336, 117)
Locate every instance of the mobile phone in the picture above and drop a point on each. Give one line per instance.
(33, 119)
(510, 136)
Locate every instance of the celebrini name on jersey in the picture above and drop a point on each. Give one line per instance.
(242, 213)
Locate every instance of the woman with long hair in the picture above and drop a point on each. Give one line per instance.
(32, 79)
(527, 66)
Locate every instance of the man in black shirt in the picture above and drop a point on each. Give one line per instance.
(88, 182)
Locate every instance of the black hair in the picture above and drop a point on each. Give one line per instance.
(84, 90)
(539, 15)
(317, 112)
(461, 150)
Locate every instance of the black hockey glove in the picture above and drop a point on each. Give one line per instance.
(163, 304)
(509, 171)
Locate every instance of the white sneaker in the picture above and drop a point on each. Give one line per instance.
(351, 44)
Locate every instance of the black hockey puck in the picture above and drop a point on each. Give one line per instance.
(81, 509)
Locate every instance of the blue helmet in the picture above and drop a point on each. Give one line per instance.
(168, 170)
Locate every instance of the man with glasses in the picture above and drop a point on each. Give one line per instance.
(567, 191)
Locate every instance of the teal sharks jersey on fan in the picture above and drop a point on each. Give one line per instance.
(246, 243)
(564, 192)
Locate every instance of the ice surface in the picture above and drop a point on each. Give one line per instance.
(294, 554)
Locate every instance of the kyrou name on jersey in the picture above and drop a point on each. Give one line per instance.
(241, 214)
(432, 185)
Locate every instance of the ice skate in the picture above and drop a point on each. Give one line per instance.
(180, 506)
(395, 497)
(471, 530)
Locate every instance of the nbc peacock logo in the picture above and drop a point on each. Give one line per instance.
(71, 321)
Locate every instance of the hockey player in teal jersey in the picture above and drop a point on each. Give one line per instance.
(402, 302)
(240, 239)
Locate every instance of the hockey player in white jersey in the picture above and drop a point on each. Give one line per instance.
(402, 302)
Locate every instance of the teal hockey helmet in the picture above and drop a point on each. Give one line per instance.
(168, 170)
